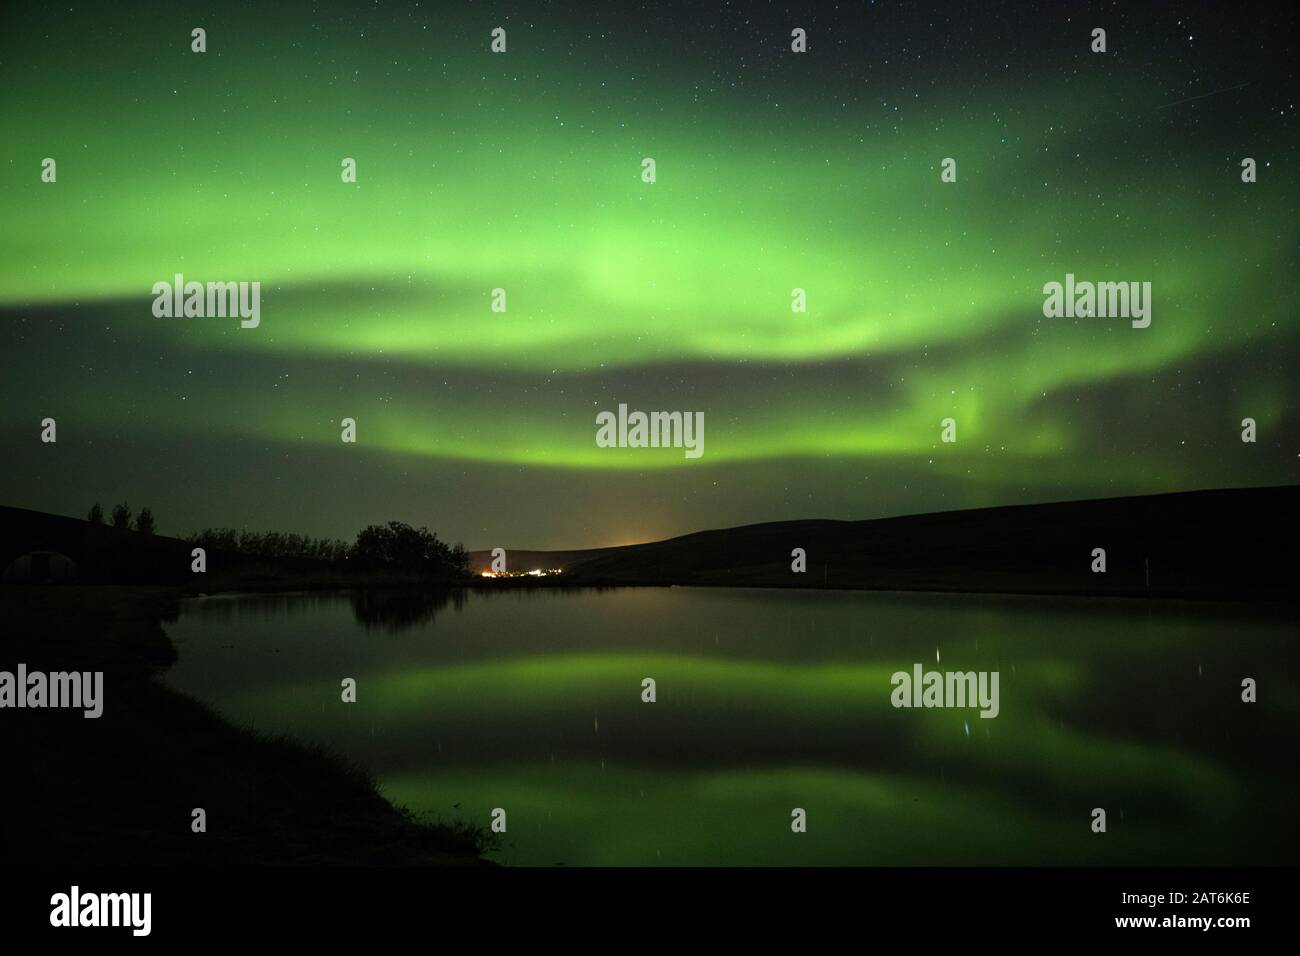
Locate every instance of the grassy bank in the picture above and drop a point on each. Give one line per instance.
(121, 789)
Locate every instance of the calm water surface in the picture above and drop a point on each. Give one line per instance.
(773, 700)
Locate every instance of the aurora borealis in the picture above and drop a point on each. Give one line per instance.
(521, 171)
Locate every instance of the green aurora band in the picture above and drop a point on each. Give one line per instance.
(523, 172)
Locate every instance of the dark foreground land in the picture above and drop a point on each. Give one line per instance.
(1230, 544)
(120, 789)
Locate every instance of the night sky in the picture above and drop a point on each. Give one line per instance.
(522, 171)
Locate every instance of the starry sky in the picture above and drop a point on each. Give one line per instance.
(522, 171)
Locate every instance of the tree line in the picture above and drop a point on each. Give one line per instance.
(270, 544)
(395, 546)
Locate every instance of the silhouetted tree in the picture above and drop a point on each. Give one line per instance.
(121, 517)
(144, 521)
(398, 546)
(96, 515)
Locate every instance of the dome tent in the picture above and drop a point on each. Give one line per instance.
(41, 567)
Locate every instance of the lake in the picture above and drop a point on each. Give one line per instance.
(768, 702)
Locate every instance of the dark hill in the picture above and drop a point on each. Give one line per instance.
(106, 555)
(1232, 543)
(103, 555)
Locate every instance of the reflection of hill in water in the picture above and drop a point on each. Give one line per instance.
(396, 611)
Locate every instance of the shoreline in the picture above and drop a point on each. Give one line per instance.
(137, 773)
(236, 584)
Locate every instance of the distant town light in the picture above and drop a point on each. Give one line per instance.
(534, 573)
